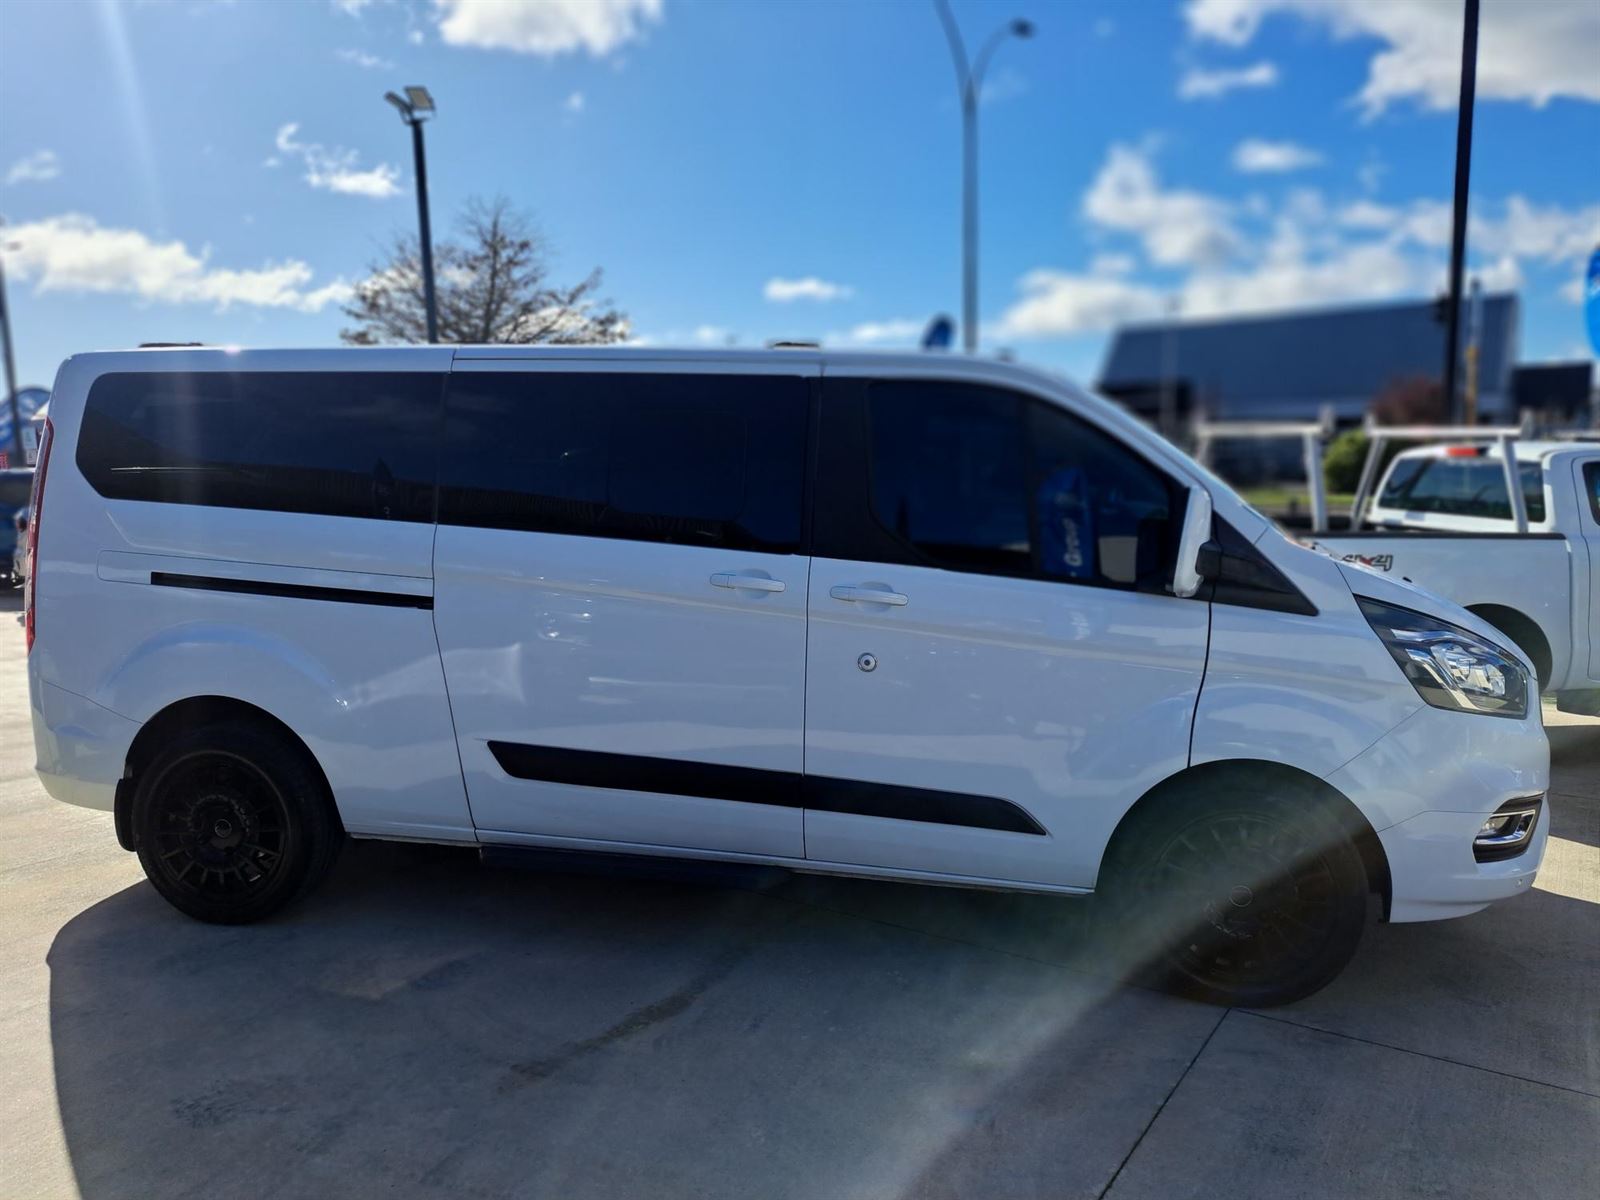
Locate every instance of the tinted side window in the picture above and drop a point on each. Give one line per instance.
(1102, 513)
(1467, 487)
(981, 479)
(355, 444)
(947, 470)
(1591, 484)
(698, 460)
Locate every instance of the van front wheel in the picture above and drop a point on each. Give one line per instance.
(232, 823)
(1255, 898)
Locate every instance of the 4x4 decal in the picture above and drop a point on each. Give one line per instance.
(1378, 562)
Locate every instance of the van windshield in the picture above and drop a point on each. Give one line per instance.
(1463, 487)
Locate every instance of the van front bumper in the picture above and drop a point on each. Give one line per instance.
(1428, 787)
(80, 747)
(1435, 874)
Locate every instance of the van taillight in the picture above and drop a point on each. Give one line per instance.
(35, 509)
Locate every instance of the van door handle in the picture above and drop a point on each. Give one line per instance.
(868, 595)
(754, 583)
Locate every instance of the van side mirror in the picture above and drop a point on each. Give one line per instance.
(1188, 574)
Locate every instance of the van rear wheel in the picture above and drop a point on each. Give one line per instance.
(1256, 898)
(232, 823)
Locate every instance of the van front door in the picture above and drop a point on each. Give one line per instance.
(620, 602)
(995, 671)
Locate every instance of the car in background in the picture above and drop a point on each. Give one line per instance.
(19, 552)
(15, 485)
(1444, 520)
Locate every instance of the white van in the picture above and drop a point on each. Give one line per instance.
(908, 617)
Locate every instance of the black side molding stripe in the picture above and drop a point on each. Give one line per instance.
(296, 591)
(642, 773)
(753, 785)
(898, 802)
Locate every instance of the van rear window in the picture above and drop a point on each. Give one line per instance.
(349, 444)
(1462, 487)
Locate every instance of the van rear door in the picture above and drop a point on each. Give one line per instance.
(621, 600)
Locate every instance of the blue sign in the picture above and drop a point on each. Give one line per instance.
(1591, 300)
(940, 333)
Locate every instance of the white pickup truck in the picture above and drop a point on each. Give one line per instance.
(1527, 560)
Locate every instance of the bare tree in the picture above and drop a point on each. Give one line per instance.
(492, 285)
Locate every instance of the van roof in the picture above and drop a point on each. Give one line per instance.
(397, 357)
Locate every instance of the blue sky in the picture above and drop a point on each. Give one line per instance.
(746, 170)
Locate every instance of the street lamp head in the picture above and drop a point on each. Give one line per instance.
(421, 101)
(405, 109)
(1022, 28)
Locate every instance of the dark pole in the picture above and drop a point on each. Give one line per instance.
(11, 372)
(1458, 231)
(427, 234)
(969, 218)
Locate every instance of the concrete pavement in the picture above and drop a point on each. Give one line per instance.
(425, 1026)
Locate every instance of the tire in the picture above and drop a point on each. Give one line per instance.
(1254, 897)
(232, 822)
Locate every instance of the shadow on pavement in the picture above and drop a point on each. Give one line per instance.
(428, 1026)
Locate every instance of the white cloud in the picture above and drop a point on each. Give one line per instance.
(415, 37)
(1256, 156)
(782, 291)
(895, 331)
(574, 103)
(368, 62)
(1291, 252)
(545, 27)
(73, 253)
(39, 167)
(1007, 84)
(1526, 51)
(1177, 228)
(335, 170)
(351, 8)
(1055, 303)
(1199, 84)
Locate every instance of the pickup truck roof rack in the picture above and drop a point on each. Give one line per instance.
(1312, 434)
(1378, 436)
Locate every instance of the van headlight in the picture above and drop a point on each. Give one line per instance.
(1449, 666)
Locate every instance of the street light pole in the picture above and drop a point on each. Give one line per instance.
(1458, 226)
(416, 108)
(969, 82)
(11, 370)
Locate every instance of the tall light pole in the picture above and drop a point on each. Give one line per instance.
(415, 108)
(969, 80)
(1458, 223)
(10, 367)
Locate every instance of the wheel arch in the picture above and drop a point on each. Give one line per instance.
(1525, 632)
(190, 713)
(1209, 777)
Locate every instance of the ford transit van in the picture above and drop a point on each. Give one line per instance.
(910, 617)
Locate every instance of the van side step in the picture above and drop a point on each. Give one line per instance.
(750, 876)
